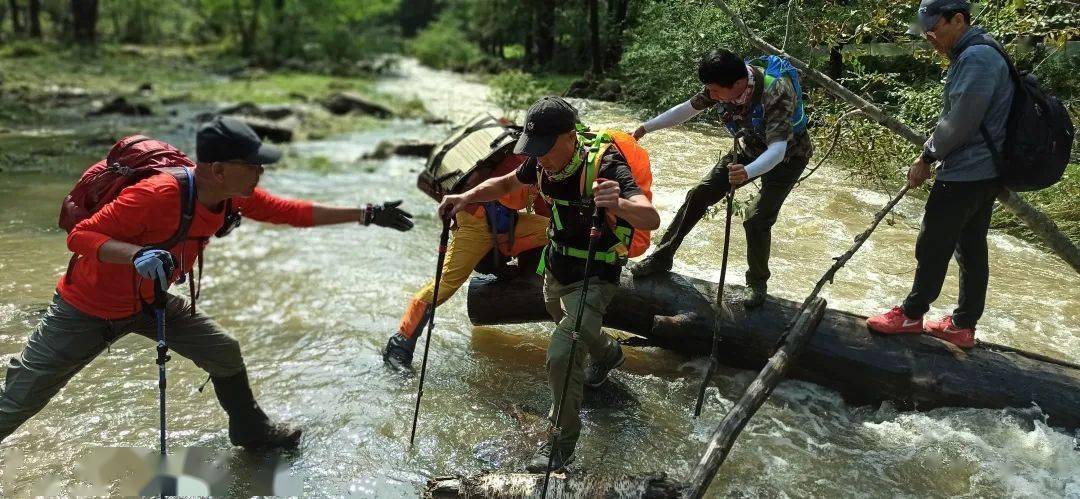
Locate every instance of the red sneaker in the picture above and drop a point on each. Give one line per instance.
(894, 322)
(963, 337)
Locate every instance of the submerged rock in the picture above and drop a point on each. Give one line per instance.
(120, 105)
(385, 149)
(274, 131)
(351, 102)
(270, 112)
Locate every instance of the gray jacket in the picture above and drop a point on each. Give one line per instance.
(978, 90)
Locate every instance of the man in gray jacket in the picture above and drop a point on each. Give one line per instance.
(978, 91)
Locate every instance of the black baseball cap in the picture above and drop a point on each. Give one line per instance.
(544, 122)
(229, 139)
(931, 10)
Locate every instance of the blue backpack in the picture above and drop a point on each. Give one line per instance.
(775, 67)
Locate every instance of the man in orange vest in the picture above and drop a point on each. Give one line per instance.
(559, 163)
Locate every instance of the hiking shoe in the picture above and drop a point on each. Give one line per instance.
(895, 322)
(755, 296)
(596, 374)
(267, 436)
(963, 337)
(398, 353)
(539, 462)
(652, 264)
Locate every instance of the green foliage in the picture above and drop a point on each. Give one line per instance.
(514, 90)
(443, 45)
(659, 66)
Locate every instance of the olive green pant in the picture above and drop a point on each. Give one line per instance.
(67, 340)
(563, 303)
(761, 215)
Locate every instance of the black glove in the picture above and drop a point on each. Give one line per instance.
(388, 215)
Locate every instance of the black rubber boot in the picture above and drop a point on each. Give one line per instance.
(539, 462)
(249, 426)
(398, 353)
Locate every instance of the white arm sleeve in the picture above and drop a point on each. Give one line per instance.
(672, 117)
(768, 160)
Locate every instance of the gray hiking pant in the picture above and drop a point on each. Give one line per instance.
(67, 340)
(563, 302)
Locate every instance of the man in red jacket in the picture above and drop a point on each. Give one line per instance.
(96, 301)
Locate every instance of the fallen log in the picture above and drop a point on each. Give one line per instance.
(915, 372)
(515, 485)
(751, 400)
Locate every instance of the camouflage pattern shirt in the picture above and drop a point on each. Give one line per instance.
(779, 101)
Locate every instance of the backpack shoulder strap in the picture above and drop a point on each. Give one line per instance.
(186, 182)
(1013, 72)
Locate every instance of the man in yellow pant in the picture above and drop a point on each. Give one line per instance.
(515, 232)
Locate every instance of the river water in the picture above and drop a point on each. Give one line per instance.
(312, 308)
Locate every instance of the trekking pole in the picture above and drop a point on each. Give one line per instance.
(594, 235)
(444, 238)
(160, 298)
(730, 198)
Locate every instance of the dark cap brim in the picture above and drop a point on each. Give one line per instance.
(266, 155)
(535, 145)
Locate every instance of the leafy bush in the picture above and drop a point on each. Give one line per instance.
(514, 90)
(444, 45)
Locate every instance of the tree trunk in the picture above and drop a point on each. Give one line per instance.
(16, 21)
(1041, 225)
(529, 57)
(414, 15)
(594, 39)
(33, 18)
(836, 62)
(247, 28)
(544, 31)
(278, 31)
(84, 15)
(617, 11)
(914, 371)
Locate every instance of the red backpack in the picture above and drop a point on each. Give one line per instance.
(130, 160)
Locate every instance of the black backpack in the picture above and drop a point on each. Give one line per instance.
(1038, 134)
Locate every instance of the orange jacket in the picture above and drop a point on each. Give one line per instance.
(146, 213)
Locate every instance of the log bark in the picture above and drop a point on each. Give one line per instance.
(1039, 224)
(724, 437)
(521, 485)
(915, 372)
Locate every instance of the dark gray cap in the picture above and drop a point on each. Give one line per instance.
(931, 10)
(229, 139)
(544, 122)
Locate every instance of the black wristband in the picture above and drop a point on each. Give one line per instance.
(927, 156)
(369, 214)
